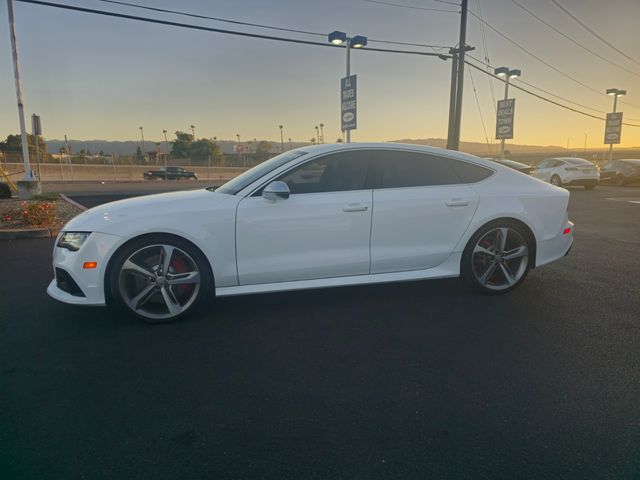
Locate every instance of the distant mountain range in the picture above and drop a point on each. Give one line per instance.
(128, 147)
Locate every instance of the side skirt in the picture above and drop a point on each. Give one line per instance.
(447, 269)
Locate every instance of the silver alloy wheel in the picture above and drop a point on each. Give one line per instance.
(500, 258)
(159, 281)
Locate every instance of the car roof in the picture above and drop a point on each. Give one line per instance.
(336, 147)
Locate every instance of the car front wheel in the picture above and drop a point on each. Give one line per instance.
(555, 180)
(159, 278)
(496, 259)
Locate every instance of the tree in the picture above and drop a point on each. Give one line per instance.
(313, 141)
(263, 148)
(13, 143)
(202, 149)
(181, 145)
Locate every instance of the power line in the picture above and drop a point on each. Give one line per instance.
(259, 25)
(414, 7)
(485, 48)
(601, 57)
(219, 30)
(547, 91)
(552, 67)
(593, 32)
(546, 99)
(484, 128)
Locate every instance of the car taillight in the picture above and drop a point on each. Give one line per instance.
(566, 231)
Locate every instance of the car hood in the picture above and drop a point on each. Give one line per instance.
(104, 218)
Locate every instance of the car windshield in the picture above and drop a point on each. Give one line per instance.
(241, 181)
(579, 161)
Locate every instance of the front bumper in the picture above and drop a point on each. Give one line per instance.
(97, 248)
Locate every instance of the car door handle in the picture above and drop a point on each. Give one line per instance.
(457, 202)
(355, 207)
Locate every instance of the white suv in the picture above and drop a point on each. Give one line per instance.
(565, 171)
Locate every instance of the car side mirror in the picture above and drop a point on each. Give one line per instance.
(275, 191)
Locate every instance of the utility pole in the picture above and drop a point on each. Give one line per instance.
(457, 81)
(29, 185)
(281, 139)
(166, 155)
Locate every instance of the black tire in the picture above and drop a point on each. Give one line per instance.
(621, 181)
(114, 282)
(556, 180)
(467, 267)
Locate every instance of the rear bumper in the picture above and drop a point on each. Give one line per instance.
(583, 182)
(556, 247)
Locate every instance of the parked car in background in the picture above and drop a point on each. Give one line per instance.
(568, 171)
(521, 167)
(621, 172)
(322, 216)
(171, 173)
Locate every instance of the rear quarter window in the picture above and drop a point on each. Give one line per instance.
(470, 172)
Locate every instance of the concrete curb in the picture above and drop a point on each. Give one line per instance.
(23, 233)
(73, 202)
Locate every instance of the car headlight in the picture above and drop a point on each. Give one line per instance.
(72, 240)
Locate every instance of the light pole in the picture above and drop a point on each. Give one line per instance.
(166, 147)
(28, 175)
(359, 41)
(281, 139)
(322, 132)
(615, 93)
(142, 135)
(507, 74)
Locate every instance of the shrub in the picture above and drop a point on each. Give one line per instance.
(39, 214)
(49, 196)
(5, 191)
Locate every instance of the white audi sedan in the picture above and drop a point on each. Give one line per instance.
(321, 216)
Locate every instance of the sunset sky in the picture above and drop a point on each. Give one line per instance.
(94, 77)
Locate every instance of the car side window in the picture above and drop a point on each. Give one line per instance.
(411, 169)
(337, 172)
(544, 163)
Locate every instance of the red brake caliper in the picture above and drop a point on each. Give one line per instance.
(179, 265)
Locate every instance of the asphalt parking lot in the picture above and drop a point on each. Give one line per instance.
(415, 380)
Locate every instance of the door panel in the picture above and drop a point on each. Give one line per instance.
(307, 236)
(418, 227)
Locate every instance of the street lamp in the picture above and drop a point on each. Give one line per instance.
(142, 135)
(359, 41)
(615, 93)
(166, 147)
(507, 74)
(281, 139)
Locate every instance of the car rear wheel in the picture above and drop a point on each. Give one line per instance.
(160, 278)
(497, 258)
(555, 180)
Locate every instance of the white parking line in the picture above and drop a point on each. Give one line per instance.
(623, 200)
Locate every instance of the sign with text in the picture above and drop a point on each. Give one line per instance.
(348, 102)
(504, 118)
(613, 128)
